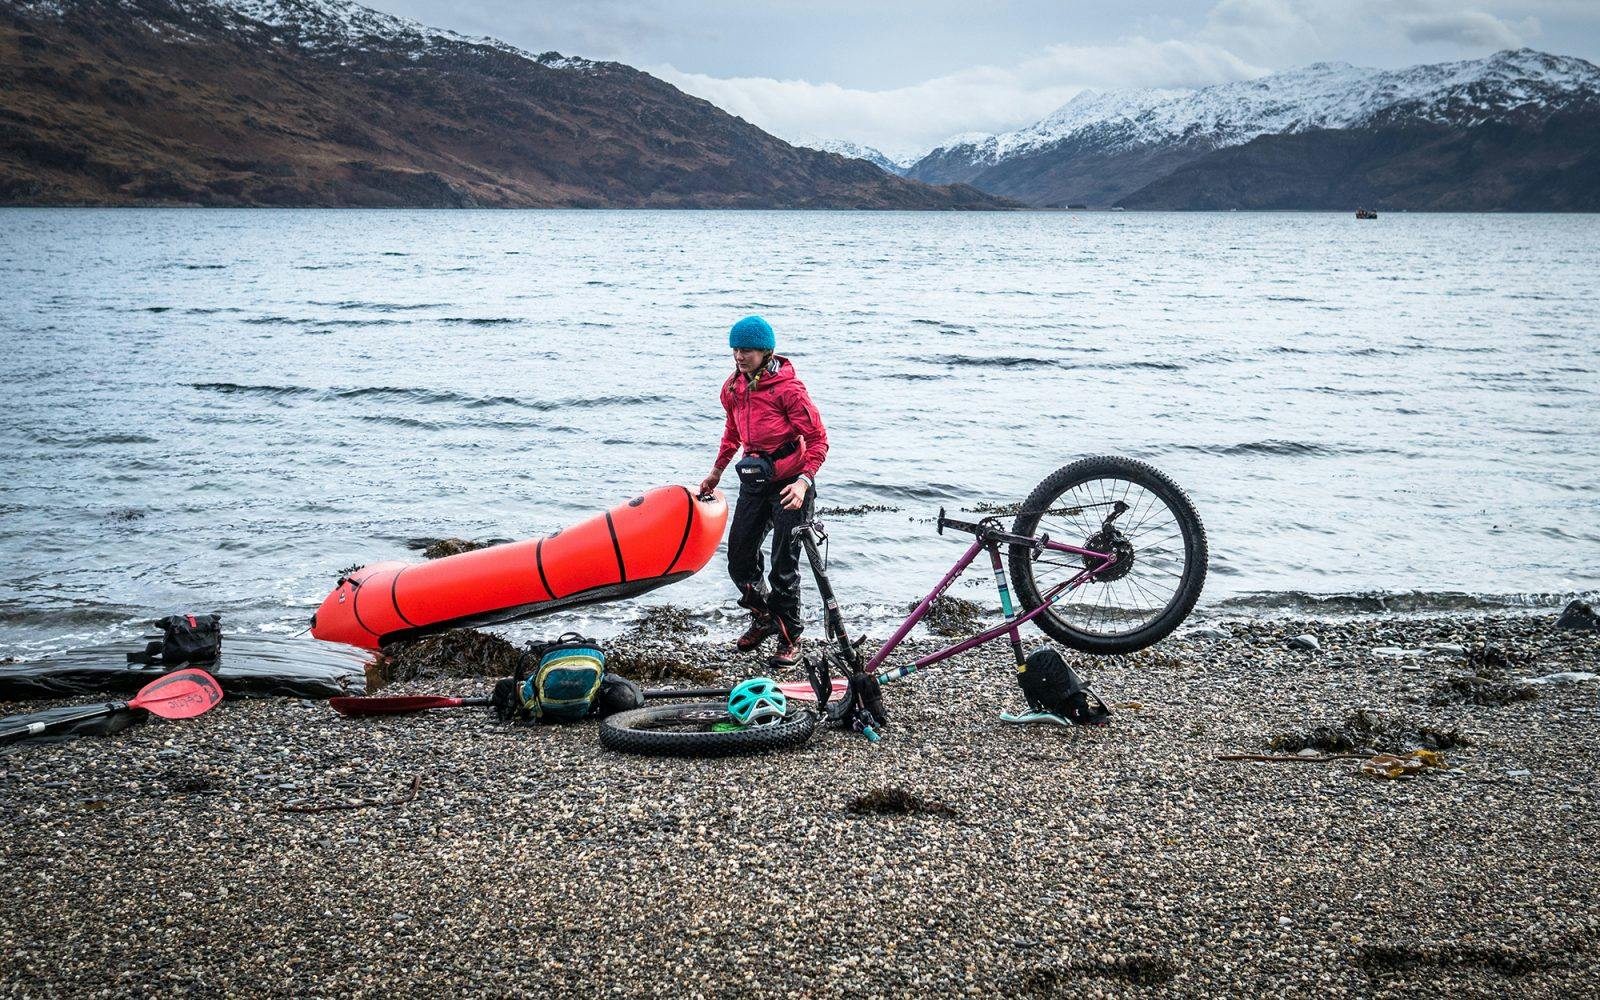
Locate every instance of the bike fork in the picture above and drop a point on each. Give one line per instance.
(832, 617)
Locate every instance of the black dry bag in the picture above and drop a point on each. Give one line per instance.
(184, 639)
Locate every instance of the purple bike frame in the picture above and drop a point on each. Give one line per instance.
(1012, 621)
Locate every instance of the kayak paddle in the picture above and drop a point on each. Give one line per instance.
(397, 704)
(348, 705)
(182, 694)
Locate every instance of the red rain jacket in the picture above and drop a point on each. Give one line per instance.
(768, 416)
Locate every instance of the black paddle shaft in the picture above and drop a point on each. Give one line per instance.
(110, 708)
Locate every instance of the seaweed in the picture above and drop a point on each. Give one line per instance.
(646, 666)
(995, 509)
(650, 649)
(1486, 657)
(897, 802)
(858, 509)
(1139, 968)
(460, 652)
(1476, 690)
(952, 617)
(439, 548)
(1384, 958)
(1368, 730)
(664, 621)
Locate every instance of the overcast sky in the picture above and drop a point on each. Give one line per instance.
(902, 75)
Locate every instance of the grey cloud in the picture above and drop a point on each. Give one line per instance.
(1465, 28)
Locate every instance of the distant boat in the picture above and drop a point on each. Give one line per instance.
(1366, 213)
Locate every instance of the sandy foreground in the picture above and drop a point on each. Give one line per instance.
(1128, 861)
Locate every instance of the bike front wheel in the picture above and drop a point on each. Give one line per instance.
(1120, 505)
(700, 729)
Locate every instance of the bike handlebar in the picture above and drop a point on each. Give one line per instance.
(950, 522)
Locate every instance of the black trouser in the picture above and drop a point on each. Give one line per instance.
(756, 513)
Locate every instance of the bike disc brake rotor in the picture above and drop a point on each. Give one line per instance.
(1109, 539)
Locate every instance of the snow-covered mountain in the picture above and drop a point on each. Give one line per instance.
(857, 151)
(1159, 129)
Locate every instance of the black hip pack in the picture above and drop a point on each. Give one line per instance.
(756, 469)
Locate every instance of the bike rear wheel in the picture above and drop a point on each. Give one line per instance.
(1158, 538)
(690, 730)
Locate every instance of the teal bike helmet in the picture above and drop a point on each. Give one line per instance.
(757, 702)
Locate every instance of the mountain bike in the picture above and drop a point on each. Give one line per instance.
(1106, 556)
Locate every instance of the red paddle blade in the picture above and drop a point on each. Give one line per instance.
(802, 689)
(398, 703)
(182, 694)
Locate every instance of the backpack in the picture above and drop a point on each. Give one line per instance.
(564, 680)
(184, 639)
(1051, 685)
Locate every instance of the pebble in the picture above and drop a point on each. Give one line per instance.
(531, 860)
(1306, 641)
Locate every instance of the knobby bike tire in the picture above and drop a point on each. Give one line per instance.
(631, 732)
(1152, 479)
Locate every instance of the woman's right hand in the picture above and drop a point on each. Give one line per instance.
(710, 482)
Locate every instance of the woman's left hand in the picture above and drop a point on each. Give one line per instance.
(794, 495)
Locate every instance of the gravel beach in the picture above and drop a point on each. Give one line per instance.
(200, 857)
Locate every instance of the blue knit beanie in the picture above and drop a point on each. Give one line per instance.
(752, 333)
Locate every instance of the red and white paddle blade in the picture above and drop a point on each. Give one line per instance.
(396, 705)
(802, 691)
(182, 694)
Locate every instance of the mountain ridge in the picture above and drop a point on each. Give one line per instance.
(1100, 147)
(327, 103)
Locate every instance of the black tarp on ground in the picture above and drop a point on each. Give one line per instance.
(249, 666)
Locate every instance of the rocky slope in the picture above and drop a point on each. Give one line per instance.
(1531, 167)
(1101, 148)
(327, 103)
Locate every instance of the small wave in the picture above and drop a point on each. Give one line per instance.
(91, 440)
(350, 304)
(993, 361)
(155, 309)
(256, 390)
(479, 320)
(1269, 447)
(411, 423)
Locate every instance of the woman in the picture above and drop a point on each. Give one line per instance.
(770, 415)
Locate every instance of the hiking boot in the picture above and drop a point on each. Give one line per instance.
(758, 632)
(788, 653)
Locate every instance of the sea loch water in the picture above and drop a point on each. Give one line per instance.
(220, 410)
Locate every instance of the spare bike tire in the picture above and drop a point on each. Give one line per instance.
(648, 731)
